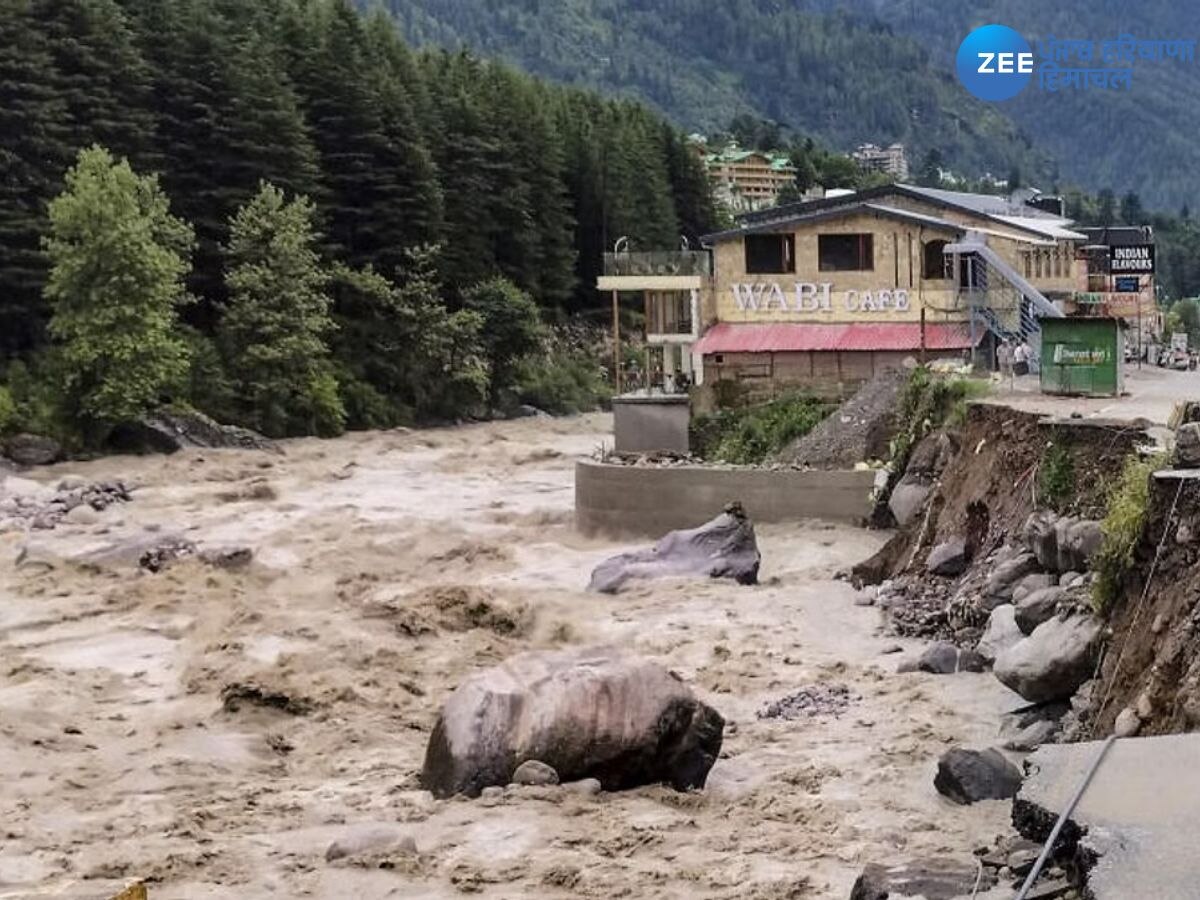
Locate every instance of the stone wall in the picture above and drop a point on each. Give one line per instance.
(650, 501)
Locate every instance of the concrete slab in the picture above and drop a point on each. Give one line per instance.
(1140, 815)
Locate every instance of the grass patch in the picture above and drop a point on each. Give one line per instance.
(1056, 477)
(751, 434)
(929, 401)
(1124, 519)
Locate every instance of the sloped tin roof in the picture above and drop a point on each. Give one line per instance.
(780, 337)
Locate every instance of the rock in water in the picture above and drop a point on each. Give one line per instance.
(594, 713)
(169, 430)
(534, 772)
(722, 548)
(1000, 634)
(967, 776)
(1052, 662)
(929, 879)
(949, 558)
(32, 450)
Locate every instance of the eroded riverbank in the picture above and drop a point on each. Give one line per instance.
(387, 566)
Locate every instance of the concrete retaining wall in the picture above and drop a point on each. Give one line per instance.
(649, 424)
(646, 501)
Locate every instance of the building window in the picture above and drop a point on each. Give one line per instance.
(934, 264)
(770, 254)
(845, 252)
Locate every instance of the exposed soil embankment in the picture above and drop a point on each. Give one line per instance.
(991, 484)
(1153, 663)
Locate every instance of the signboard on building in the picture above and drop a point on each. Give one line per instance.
(1134, 259)
(808, 297)
(1127, 284)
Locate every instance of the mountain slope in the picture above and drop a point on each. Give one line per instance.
(848, 71)
(841, 79)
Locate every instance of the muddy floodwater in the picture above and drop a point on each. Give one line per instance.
(214, 731)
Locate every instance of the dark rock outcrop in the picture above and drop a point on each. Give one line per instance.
(171, 430)
(967, 776)
(594, 713)
(32, 450)
(929, 879)
(722, 548)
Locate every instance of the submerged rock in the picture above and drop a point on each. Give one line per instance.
(593, 713)
(534, 772)
(32, 449)
(1053, 661)
(944, 658)
(722, 548)
(171, 430)
(967, 776)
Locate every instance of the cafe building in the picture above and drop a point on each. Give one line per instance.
(825, 294)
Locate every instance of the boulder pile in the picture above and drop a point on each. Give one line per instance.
(26, 504)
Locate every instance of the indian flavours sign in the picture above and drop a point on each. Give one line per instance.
(809, 297)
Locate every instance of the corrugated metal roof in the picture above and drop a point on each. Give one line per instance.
(734, 337)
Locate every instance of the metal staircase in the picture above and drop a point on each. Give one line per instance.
(998, 297)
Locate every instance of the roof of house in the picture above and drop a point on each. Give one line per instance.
(778, 337)
(999, 209)
(819, 215)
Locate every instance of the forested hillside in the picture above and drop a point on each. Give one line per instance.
(399, 186)
(830, 76)
(847, 71)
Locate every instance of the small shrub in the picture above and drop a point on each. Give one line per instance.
(1124, 519)
(565, 377)
(1056, 476)
(751, 434)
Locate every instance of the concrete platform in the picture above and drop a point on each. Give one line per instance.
(1140, 815)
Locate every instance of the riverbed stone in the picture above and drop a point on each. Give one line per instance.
(1035, 581)
(32, 449)
(1000, 582)
(907, 499)
(1000, 634)
(968, 776)
(1050, 664)
(949, 558)
(534, 772)
(1038, 607)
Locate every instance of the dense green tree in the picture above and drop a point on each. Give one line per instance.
(118, 261)
(404, 355)
(273, 332)
(1106, 211)
(511, 330)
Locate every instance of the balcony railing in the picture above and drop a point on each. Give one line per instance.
(664, 262)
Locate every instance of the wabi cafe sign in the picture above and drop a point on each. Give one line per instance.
(809, 297)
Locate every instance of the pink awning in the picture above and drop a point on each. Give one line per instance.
(732, 337)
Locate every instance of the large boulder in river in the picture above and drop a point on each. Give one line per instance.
(1053, 661)
(722, 548)
(595, 713)
(32, 450)
(170, 430)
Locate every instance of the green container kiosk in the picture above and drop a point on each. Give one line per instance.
(1083, 357)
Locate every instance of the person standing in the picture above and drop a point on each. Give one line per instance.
(1021, 359)
(1004, 356)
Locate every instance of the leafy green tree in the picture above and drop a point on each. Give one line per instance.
(273, 331)
(1184, 315)
(511, 330)
(118, 263)
(404, 355)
